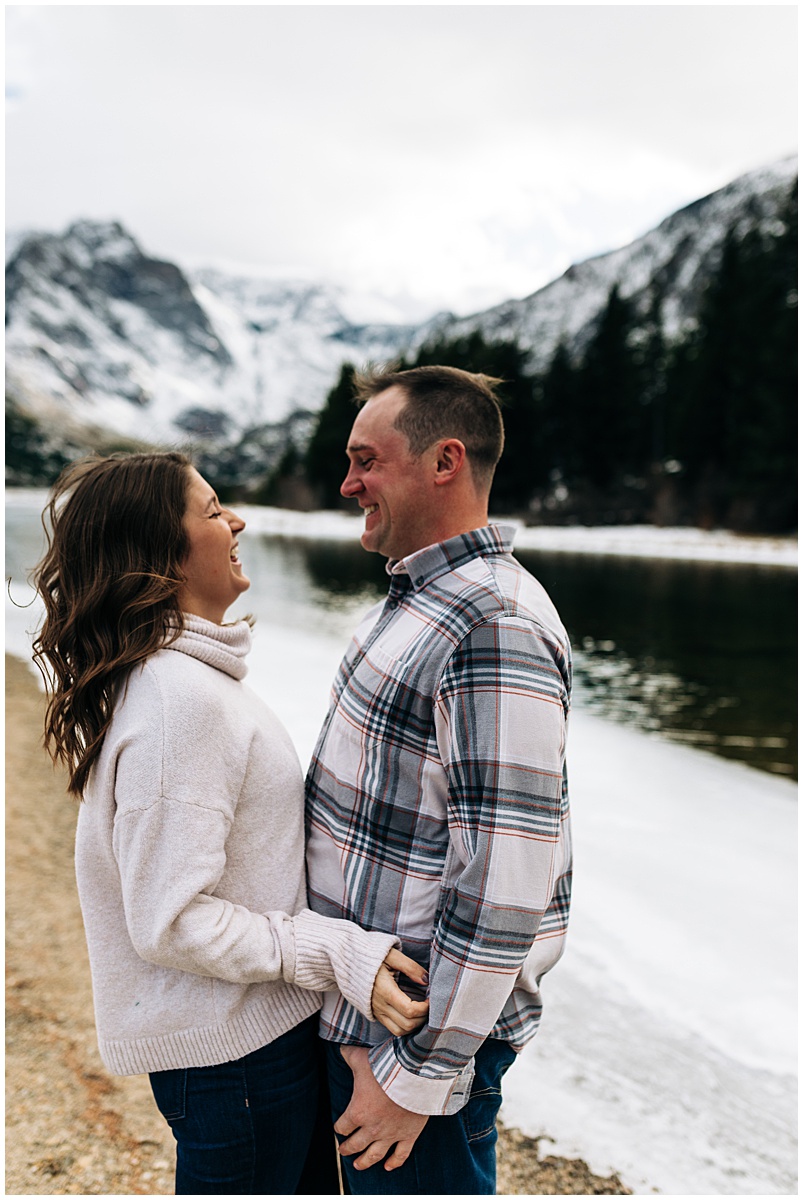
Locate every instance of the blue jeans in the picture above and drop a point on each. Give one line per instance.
(244, 1128)
(453, 1156)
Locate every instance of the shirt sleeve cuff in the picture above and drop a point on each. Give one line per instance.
(439, 1097)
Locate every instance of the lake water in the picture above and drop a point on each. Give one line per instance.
(702, 653)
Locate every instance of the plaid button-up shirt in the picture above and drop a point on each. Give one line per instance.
(437, 806)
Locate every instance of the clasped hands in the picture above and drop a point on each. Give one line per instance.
(397, 1012)
(373, 1124)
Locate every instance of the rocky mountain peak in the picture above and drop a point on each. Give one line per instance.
(100, 241)
(81, 302)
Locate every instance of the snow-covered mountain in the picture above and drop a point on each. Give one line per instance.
(102, 337)
(671, 264)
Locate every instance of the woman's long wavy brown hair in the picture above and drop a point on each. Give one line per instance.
(110, 580)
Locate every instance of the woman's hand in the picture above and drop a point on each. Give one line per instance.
(397, 1012)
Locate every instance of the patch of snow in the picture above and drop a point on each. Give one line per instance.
(642, 541)
(668, 1045)
(649, 541)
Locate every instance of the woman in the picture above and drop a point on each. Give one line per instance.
(206, 963)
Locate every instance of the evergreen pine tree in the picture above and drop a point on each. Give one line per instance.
(557, 393)
(609, 422)
(764, 443)
(734, 383)
(652, 360)
(325, 460)
(272, 490)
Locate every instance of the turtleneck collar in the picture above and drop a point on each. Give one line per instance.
(221, 646)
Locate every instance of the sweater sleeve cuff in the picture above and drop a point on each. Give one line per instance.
(442, 1096)
(331, 953)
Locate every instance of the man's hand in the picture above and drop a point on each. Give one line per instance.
(398, 1012)
(373, 1123)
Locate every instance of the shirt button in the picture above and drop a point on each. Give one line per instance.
(419, 581)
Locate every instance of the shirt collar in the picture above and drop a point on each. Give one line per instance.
(428, 564)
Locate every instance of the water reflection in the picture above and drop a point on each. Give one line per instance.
(703, 653)
(338, 570)
(298, 582)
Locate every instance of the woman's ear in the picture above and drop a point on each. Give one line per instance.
(451, 456)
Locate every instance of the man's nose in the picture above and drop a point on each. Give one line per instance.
(351, 484)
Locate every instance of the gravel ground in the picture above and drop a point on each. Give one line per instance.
(71, 1128)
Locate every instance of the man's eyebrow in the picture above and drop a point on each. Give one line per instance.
(356, 447)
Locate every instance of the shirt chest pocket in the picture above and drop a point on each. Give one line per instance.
(381, 747)
(378, 700)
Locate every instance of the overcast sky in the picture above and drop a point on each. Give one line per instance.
(447, 156)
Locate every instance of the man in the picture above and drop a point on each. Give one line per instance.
(437, 805)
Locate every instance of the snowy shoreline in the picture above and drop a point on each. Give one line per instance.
(633, 541)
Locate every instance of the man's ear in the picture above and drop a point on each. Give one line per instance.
(451, 456)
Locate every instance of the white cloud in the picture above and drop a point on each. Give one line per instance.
(456, 153)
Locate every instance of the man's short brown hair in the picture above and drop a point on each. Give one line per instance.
(444, 402)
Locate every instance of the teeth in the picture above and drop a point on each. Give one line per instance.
(371, 508)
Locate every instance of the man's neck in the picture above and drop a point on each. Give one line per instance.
(445, 533)
(456, 524)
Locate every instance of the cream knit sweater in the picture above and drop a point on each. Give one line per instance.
(190, 868)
